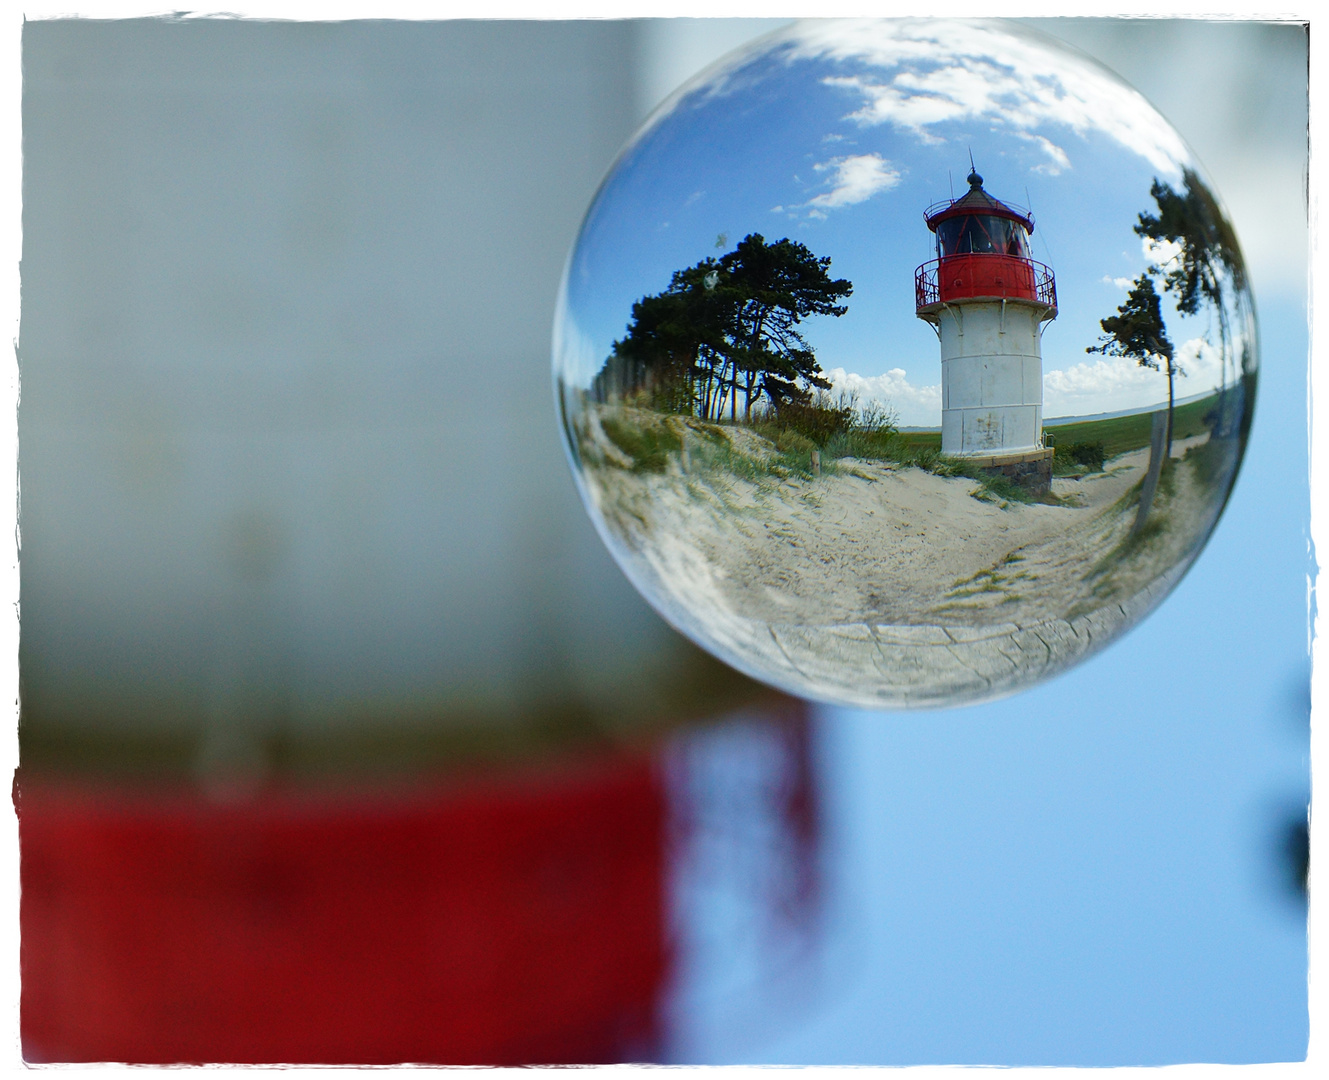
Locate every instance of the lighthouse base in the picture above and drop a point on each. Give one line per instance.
(1031, 471)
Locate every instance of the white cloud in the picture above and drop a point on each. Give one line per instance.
(1160, 252)
(856, 178)
(1119, 282)
(1114, 383)
(1057, 161)
(914, 406)
(1202, 363)
(933, 71)
(1105, 384)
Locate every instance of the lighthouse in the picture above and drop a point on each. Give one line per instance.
(989, 303)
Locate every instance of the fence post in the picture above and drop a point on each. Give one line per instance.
(1157, 436)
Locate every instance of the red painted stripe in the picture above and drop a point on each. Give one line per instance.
(518, 920)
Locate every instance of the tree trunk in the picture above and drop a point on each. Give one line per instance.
(1167, 453)
(717, 398)
(704, 402)
(753, 352)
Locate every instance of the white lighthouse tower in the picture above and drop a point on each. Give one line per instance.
(989, 303)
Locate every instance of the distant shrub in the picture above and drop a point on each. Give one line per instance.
(839, 425)
(1090, 455)
(872, 417)
(815, 420)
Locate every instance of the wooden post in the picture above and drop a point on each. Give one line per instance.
(816, 462)
(1157, 438)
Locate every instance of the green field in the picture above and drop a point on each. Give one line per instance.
(922, 440)
(1118, 435)
(1123, 433)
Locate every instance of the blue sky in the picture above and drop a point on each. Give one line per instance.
(839, 137)
(1089, 872)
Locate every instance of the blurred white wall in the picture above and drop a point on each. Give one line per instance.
(288, 453)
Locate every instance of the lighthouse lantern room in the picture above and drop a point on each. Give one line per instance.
(989, 303)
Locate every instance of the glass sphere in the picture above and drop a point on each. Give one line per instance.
(905, 363)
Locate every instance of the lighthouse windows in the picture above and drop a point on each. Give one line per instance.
(981, 234)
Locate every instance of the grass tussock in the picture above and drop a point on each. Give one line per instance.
(647, 445)
(994, 584)
(1213, 462)
(821, 437)
(1079, 459)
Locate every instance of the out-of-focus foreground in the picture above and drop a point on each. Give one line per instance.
(341, 733)
(343, 739)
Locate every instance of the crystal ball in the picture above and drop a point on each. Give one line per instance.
(905, 363)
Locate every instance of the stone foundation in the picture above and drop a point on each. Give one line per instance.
(1031, 471)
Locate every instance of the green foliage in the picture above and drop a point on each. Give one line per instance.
(866, 433)
(815, 420)
(1201, 263)
(997, 488)
(1192, 219)
(648, 447)
(1089, 454)
(789, 441)
(994, 580)
(870, 445)
(1137, 329)
(839, 426)
(912, 442)
(727, 327)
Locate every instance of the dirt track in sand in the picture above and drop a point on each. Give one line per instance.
(887, 584)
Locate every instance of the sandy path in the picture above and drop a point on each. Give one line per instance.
(886, 584)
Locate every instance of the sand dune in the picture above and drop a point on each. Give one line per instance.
(884, 584)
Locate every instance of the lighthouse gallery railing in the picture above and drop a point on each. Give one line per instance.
(961, 277)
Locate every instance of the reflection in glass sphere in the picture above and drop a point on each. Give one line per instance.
(900, 442)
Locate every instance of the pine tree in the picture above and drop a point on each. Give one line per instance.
(726, 328)
(1137, 331)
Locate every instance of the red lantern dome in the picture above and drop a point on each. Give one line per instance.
(982, 254)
